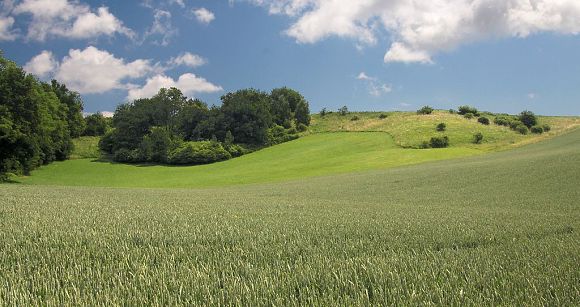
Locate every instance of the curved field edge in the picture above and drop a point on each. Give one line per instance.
(496, 229)
(309, 156)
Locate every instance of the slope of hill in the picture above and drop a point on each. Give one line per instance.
(495, 229)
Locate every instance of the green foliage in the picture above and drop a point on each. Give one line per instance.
(504, 120)
(463, 110)
(74, 108)
(278, 135)
(288, 105)
(425, 110)
(452, 111)
(468, 115)
(483, 120)
(528, 118)
(546, 128)
(522, 129)
(301, 127)
(383, 116)
(441, 127)
(96, 125)
(477, 138)
(537, 130)
(354, 118)
(202, 152)
(343, 110)
(439, 142)
(323, 112)
(34, 123)
(246, 115)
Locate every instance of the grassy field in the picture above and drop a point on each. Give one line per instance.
(334, 145)
(495, 229)
(86, 147)
(314, 155)
(410, 130)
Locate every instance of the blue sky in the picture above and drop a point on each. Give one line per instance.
(498, 55)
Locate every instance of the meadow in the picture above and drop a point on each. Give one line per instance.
(494, 229)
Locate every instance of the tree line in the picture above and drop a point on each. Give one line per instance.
(171, 128)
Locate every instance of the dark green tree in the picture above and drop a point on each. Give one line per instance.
(247, 115)
(74, 104)
(528, 118)
(96, 125)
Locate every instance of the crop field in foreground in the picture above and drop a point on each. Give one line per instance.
(496, 229)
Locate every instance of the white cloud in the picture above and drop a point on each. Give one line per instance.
(189, 84)
(42, 64)
(421, 29)
(375, 86)
(69, 19)
(203, 15)
(363, 76)
(96, 71)
(532, 95)
(6, 32)
(161, 27)
(187, 59)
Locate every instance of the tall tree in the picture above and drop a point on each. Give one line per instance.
(74, 104)
(247, 115)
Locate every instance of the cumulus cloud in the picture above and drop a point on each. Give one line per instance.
(41, 65)
(187, 59)
(6, 32)
(421, 29)
(69, 19)
(189, 84)
(161, 28)
(374, 85)
(91, 70)
(203, 15)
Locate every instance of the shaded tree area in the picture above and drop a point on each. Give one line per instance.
(37, 120)
(170, 128)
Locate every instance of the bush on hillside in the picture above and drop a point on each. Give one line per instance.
(323, 112)
(301, 127)
(468, 115)
(477, 138)
(202, 152)
(528, 118)
(354, 118)
(463, 110)
(425, 110)
(441, 127)
(343, 111)
(451, 111)
(503, 120)
(439, 142)
(522, 129)
(278, 134)
(483, 120)
(546, 127)
(382, 116)
(537, 130)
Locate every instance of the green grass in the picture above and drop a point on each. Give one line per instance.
(410, 130)
(314, 155)
(495, 229)
(86, 147)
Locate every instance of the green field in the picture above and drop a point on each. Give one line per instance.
(494, 229)
(334, 145)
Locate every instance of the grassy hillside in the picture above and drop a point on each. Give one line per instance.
(496, 229)
(410, 130)
(86, 147)
(314, 155)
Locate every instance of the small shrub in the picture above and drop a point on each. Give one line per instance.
(235, 150)
(514, 124)
(198, 153)
(483, 120)
(468, 115)
(301, 127)
(546, 128)
(528, 118)
(503, 120)
(343, 111)
(439, 142)
(425, 110)
(354, 118)
(382, 116)
(424, 145)
(441, 127)
(522, 129)
(323, 112)
(477, 138)
(463, 110)
(537, 130)
(126, 155)
(451, 111)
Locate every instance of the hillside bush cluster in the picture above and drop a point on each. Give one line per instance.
(483, 120)
(37, 120)
(439, 142)
(521, 123)
(464, 110)
(425, 110)
(169, 128)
